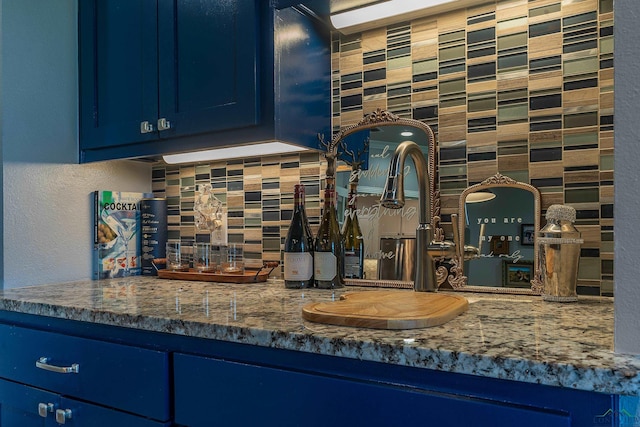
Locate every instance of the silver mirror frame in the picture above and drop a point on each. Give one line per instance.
(457, 279)
(382, 117)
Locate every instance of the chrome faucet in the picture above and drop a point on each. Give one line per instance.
(427, 251)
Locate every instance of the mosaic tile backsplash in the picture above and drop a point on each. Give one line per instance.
(524, 88)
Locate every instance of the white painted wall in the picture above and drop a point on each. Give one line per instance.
(47, 226)
(626, 176)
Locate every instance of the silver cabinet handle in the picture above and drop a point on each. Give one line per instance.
(62, 415)
(146, 127)
(44, 409)
(43, 363)
(163, 124)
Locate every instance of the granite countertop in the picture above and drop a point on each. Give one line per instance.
(514, 337)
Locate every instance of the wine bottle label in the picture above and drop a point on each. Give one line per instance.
(298, 266)
(352, 265)
(325, 265)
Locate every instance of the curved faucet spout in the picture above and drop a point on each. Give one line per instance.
(393, 197)
(393, 194)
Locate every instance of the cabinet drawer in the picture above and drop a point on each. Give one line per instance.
(229, 393)
(21, 405)
(114, 375)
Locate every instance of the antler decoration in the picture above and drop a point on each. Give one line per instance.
(331, 154)
(356, 158)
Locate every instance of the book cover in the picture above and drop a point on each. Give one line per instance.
(117, 226)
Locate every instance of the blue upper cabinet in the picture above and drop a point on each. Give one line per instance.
(118, 71)
(167, 76)
(208, 76)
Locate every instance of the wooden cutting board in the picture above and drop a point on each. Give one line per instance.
(387, 309)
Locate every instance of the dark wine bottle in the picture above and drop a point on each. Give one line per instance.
(328, 252)
(353, 241)
(298, 246)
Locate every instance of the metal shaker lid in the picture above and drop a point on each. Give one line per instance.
(561, 213)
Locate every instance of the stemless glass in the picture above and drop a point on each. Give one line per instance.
(232, 261)
(216, 257)
(176, 259)
(203, 258)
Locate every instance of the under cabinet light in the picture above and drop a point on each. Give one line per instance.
(252, 150)
(380, 11)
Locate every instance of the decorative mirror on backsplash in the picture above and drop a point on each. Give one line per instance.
(389, 234)
(498, 220)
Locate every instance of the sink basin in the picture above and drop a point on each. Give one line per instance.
(387, 309)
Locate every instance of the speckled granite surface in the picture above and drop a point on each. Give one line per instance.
(511, 337)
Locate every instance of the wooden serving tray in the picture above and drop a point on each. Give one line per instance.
(247, 277)
(387, 309)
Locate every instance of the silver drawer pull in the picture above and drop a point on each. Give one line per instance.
(146, 127)
(164, 124)
(62, 415)
(43, 363)
(44, 409)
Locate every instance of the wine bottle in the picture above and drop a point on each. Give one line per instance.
(329, 247)
(353, 241)
(298, 246)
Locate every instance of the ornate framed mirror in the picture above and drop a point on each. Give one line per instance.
(389, 234)
(498, 221)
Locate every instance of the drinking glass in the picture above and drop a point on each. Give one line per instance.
(232, 261)
(203, 259)
(176, 259)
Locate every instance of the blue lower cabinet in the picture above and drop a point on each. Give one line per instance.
(24, 406)
(131, 378)
(89, 415)
(80, 381)
(92, 370)
(216, 392)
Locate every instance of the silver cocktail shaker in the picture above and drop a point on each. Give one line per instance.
(559, 245)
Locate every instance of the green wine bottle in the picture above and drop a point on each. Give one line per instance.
(298, 246)
(328, 258)
(353, 240)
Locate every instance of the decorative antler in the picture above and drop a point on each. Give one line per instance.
(357, 156)
(356, 159)
(331, 154)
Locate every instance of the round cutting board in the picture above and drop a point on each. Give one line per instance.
(387, 309)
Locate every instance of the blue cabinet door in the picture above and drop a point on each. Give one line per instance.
(118, 59)
(25, 406)
(217, 392)
(207, 65)
(191, 64)
(83, 414)
(19, 406)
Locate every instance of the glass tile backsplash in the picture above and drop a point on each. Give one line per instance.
(527, 86)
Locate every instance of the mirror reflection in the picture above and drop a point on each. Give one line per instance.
(505, 239)
(499, 217)
(388, 234)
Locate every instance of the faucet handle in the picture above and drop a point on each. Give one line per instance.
(445, 249)
(463, 251)
(456, 235)
(469, 252)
